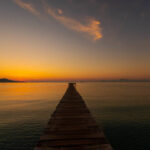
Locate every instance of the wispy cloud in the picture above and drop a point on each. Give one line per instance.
(28, 6)
(91, 27)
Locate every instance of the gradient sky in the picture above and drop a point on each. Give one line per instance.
(74, 39)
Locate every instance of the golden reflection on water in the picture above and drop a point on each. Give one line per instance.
(105, 100)
(30, 91)
(121, 108)
(23, 95)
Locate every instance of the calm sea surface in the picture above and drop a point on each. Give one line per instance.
(123, 109)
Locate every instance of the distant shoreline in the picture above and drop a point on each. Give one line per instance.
(4, 80)
(80, 81)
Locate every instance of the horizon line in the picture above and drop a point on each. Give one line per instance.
(78, 80)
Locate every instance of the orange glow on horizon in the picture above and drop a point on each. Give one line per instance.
(64, 75)
(44, 41)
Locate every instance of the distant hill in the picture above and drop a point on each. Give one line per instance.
(126, 80)
(7, 80)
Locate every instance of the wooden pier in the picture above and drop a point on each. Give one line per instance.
(72, 126)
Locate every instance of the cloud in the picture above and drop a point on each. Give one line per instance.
(60, 11)
(91, 27)
(28, 6)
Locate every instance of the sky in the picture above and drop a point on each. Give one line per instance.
(74, 39)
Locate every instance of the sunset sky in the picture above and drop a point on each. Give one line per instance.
(74, 39)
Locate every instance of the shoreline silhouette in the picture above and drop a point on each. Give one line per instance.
(5, 80)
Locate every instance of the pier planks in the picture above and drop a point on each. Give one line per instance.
(72, 127)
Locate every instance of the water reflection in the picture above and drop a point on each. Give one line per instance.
(122, 109)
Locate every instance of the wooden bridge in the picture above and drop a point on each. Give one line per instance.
(72, 126)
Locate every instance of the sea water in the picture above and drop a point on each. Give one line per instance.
(122, 109)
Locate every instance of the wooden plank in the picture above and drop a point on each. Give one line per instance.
(72, 142)
(85, 147)
(72, 127)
